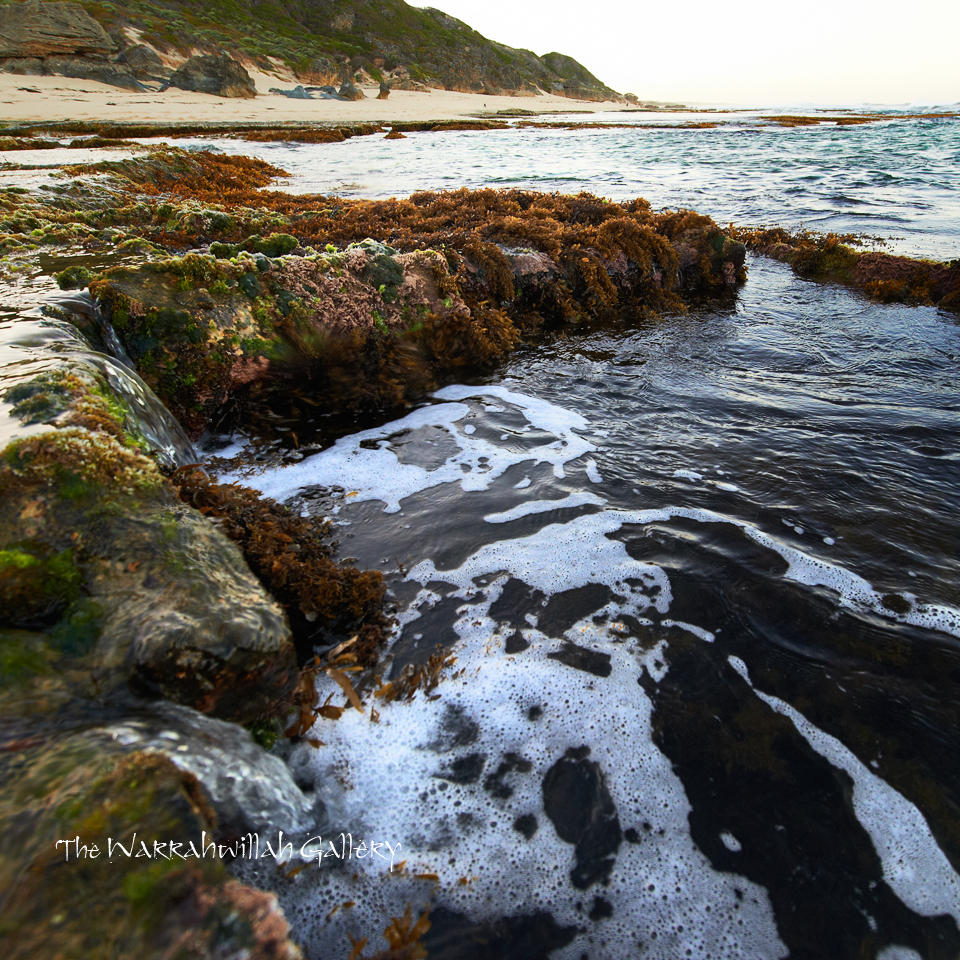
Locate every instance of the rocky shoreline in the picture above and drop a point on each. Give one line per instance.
(125, 596)
(149, 613)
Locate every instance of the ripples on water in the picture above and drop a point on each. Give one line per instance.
(701, 577)
(892, 179)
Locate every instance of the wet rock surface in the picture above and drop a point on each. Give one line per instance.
(113, 592)
(112, 804)
(134, 586)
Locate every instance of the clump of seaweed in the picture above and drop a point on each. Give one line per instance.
(403, 935)
(833, 258)
(311, 134)
(291, 557)
(423, 676)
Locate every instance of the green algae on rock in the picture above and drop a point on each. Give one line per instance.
(455, 280)
(130, 586)
(199, 328)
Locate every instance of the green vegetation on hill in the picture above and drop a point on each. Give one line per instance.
(317, 37)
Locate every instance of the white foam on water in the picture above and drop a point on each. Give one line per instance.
(897, 952)
(381, 780)
(704, 635)
(385, 780)
(376, 473)
(914, 866)
(562, 556)
(578, 499)
(730, 842)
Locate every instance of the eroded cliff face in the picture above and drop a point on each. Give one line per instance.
(51, 29)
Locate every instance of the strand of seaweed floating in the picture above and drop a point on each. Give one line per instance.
(403, 935)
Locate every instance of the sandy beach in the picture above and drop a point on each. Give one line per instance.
(46, 99)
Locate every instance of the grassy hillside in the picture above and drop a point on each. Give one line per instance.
(315, 37)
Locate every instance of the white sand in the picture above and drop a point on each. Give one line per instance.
(47, 99)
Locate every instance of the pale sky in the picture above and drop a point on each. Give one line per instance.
(755, 51)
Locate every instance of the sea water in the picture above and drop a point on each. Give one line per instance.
(700, 575)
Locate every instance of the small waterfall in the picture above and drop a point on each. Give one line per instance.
(72, 331)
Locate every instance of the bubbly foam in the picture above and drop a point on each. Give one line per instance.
(451, 777)
(369, 458)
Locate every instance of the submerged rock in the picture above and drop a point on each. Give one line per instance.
(578, 802)
(219, 75)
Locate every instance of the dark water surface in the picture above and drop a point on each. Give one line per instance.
(701, 575)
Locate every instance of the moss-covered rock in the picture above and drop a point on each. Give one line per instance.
(199, 327)
(132, 588)
(97, 550)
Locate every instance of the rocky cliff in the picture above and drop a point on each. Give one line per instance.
(323, 41)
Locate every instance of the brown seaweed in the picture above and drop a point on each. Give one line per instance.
(291, 557)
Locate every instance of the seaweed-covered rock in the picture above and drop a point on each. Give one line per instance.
(133, 589)
(39, 29)
(834, 259)
(220, 75)
(199, 328)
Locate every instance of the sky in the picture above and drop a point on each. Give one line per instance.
(756, 52)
